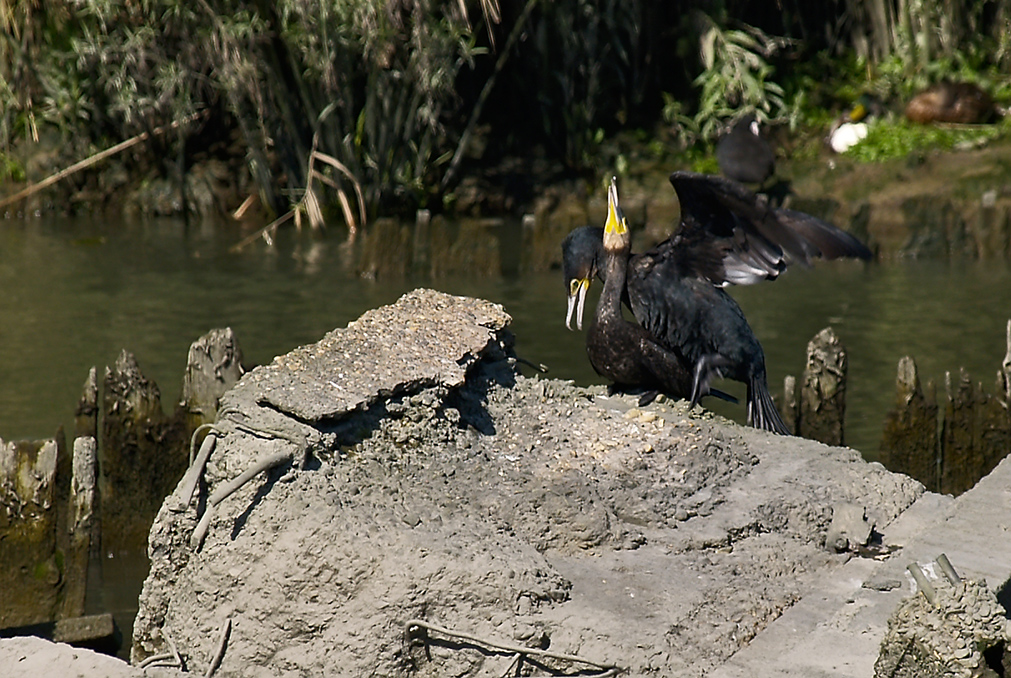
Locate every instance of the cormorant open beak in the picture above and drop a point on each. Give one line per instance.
(616, 235)
(615, 217)
(577, 298)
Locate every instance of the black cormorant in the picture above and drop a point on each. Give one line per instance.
(743, 155)
(618, 349)
(727, 235)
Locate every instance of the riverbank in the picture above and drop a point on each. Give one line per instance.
(424, 506)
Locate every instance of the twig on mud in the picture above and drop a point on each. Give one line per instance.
(607, 669)
(96, 158)
(165, 659)
(222, 493)
(198, 462)
(169, 659)
(226, 629)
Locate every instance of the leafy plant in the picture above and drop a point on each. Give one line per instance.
(736, 76)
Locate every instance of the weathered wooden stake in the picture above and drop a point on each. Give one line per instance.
(213, 365)
(142, 453)
(86, 415)
(909, 438)
(823, 395)
(961, 456)
(790, 409)
(82, 526)
(29, 570)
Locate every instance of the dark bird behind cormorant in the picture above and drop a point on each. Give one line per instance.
(743, 155)
(727, 235)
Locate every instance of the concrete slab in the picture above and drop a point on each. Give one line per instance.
(837, 628)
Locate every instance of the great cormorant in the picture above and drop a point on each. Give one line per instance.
(618, 349)
(727, 236)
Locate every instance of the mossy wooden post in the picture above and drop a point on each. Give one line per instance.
(142, 454)
(30, 570)
(823, 395)
(474, 252)
(544, 232)
(909, 439)
(991, 229)
(961, 456)
(386, 250)
(213, 365)
(421, 237)
(994, 418)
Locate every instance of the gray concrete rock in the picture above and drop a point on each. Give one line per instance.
(528, 512)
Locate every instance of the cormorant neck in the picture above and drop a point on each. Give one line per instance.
(615, 269)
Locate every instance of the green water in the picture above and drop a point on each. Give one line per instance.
(77, 291)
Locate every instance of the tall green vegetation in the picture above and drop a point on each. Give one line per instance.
(736, 75)
(386, 70)
(383, 95)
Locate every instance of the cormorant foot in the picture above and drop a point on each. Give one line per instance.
(648, 397)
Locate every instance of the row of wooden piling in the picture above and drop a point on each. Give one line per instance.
(58, 509)
(947, 447)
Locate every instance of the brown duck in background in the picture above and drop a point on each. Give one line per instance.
(947, 101)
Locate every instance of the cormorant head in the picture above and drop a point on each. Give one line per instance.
(581, 254)
(616, 235)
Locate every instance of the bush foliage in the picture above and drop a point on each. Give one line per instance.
(389, 92)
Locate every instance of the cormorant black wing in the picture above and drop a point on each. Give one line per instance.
(728, 235)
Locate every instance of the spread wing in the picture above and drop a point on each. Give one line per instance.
(729, 235)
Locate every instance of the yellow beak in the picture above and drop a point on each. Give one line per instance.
(577, 299)
(615, 217)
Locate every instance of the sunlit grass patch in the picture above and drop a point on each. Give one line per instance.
(888, 140)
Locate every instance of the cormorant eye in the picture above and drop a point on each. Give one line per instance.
(574, 286)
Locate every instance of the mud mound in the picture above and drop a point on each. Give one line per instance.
(523, 510)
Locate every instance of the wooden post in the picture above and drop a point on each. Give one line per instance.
(29, 570)
(961, 458)
(142, 454)
(791, 408)
(82, 526)
(823, 395)
(86, 415)
(909, 439)
(213, 365)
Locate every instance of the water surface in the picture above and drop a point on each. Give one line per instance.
(77, 291)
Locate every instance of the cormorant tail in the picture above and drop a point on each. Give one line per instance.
(762, 412)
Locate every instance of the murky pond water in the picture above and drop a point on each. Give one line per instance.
(77, 291)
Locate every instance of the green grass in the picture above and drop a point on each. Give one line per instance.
(890, 140)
